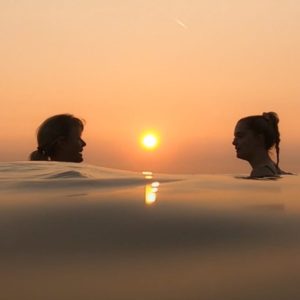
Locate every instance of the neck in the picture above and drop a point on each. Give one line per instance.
(58, 157)
(260, 158)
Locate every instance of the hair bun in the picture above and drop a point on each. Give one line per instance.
(271, 117)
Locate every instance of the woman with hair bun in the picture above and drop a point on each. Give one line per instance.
(59, 139)
(254, 138)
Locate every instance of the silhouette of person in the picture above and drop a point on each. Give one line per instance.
(59, 139)
(254, 138)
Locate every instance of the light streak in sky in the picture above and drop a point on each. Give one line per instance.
(180, 23)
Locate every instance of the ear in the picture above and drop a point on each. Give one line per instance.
(261, 139)
(60, 142)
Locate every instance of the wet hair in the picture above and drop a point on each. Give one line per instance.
(266, 125)
(49, 133)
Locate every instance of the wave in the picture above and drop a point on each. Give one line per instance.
(37, 176)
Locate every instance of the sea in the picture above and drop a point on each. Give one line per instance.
(78, 231)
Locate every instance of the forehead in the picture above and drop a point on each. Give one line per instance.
(76, 130)
(241, 127)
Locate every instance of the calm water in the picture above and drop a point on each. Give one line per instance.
(75, 231)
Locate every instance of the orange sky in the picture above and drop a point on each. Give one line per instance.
(188, 69)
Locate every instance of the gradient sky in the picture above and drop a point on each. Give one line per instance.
(188, 69)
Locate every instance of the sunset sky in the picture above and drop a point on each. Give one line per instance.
(186, 69)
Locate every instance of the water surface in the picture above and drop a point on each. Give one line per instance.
(76, 231)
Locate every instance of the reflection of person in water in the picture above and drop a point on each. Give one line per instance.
(254, 137)
(59, 139)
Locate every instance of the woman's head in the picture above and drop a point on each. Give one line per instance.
(59, 139)
(257, 133)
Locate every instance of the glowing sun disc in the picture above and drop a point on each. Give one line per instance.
(150, 141)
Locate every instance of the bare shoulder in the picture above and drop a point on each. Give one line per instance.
(282, 172)
(264, 171)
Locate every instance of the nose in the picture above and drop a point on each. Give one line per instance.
(234, 142)
(83, 143)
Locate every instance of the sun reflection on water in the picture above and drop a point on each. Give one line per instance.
(148, 174)
(151, 189)
(151, 192)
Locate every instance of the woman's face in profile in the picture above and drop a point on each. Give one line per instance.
(72, 147)
(245, 141)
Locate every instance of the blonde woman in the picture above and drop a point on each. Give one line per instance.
(59, 139)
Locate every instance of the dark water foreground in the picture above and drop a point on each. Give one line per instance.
(84, 232)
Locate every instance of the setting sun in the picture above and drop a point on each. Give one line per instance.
(150, 141)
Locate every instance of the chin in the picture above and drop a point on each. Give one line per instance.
(78, 158)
